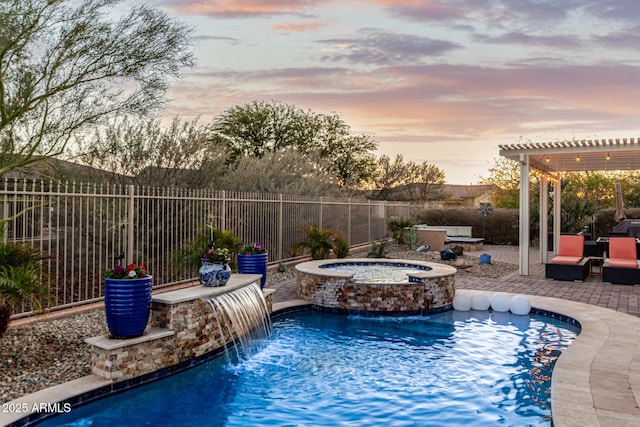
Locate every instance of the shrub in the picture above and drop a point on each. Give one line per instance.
(411, 238)
(499, 228)
(341, 246)
(21, 280)
(319, 242)
(398, 227)
(377, 250)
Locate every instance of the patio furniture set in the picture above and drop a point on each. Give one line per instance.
(616, 260)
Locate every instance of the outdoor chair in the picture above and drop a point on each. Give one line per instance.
(621, 266)
(570, 262)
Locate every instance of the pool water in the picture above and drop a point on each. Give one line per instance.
(376, 272)
(318, 369)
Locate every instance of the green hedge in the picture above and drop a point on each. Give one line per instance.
(501, 227)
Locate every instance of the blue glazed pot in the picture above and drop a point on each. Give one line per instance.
(485, 259)
(214, 273)
(127, 304)
(254, 264)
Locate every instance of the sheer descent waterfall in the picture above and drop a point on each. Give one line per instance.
(243, 318)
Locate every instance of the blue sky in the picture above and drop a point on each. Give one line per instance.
(438, 81)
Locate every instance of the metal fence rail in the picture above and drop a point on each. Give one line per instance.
(84, 227)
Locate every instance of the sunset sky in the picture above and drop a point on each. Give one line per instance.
(439, 81)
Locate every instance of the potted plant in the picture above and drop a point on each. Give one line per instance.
(485, 259)
(127, 300)
(215, 270)
(187, 259)
(252, 259)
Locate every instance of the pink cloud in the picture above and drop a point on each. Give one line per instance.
(423, 10)
(240, 8)
(299, 27)
(445, 100)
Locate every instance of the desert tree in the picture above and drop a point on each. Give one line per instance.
(66, 65)
(144, 152)
(424, 181)
(258, 128)
(505, 175)
(402, 180)
(389, 175)
(287, 172)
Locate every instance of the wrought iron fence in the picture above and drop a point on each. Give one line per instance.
(84, 227)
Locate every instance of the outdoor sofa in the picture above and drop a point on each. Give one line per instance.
(622, 265)
(570, 262)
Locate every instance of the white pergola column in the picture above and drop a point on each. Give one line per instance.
(524, 215)
(544, 221)
(557, 213)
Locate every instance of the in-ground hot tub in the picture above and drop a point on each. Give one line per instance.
(396, 286)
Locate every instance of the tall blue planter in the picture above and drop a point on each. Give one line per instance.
(254, 264)
(127, 304)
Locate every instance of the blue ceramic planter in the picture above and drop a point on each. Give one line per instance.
(214, 273)
(485, 259)
(127, 304)
(254, 264)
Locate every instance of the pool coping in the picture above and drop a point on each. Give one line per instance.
(595, 382)
(314, 267)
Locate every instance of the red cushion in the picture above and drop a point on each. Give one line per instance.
(622, 248)
(626, 263)
(571, 246)
(566, 259)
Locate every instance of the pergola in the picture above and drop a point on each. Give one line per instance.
(549, 160)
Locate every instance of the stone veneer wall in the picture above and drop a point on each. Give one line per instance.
(331, 292)
(182, 327)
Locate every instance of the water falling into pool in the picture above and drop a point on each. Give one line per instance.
(243, 318)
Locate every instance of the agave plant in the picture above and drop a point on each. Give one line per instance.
(21, 280)
(398, 228)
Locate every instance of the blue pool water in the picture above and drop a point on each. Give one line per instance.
(318, 369)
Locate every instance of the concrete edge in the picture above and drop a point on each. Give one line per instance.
(49, 398)
(597, 378)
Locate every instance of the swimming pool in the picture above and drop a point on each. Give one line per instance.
(448, 369)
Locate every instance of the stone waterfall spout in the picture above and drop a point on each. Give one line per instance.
(243, 319)
(188, 326)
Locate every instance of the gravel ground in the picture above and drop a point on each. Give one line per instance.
(50, 352)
